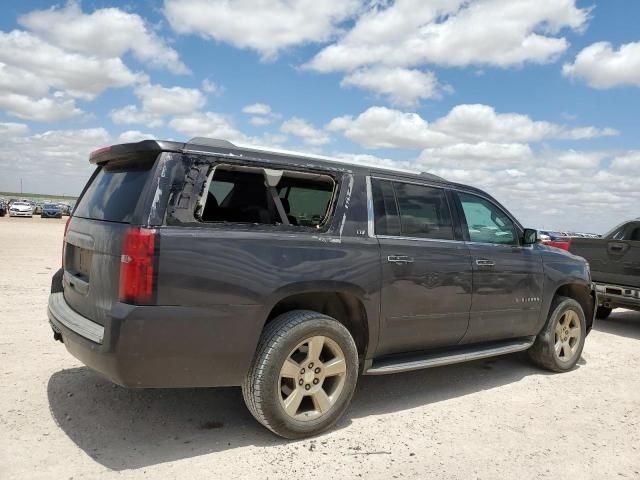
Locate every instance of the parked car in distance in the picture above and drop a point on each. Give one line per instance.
(554, 239)
(65, 209)
(37, 208)
(211, 264)
(3, 207)
(21, 209)
(615, 266)
(51, 210)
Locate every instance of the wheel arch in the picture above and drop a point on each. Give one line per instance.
(344, 302)
(581, 293)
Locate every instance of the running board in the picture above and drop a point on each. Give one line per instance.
(464, 354)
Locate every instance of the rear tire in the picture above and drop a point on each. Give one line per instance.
(603, 312)
(303, 375)
(559, 346)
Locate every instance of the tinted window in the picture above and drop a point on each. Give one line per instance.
(486, 223)
(113, 194)
(424, 211)
(384, 208)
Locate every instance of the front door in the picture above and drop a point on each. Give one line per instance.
(507, 276)
(426, 271)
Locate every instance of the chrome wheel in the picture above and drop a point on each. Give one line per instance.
(312, 378)
(567, 336)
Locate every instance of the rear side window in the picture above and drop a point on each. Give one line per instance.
(239, 194)
(114, 192)
(411, 210)
(424, 211)
(385, 209)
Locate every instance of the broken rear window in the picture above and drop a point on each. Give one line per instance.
(256, 195)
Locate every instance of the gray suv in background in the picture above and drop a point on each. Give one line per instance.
(206, 264)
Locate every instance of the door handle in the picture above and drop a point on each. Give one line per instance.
(483, 262)
(400, 259)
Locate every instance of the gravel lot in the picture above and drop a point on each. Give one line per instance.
(498, 418)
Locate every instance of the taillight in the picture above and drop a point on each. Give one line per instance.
(136, 265)
(64, 238)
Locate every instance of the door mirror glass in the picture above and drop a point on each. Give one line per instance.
(530, 236)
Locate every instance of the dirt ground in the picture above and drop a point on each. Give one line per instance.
(497, 418)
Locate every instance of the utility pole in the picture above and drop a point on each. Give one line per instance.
(20, 186)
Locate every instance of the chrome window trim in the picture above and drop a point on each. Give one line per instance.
(370, 218)
(419, 239)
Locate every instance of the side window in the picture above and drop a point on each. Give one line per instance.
(385, 210)
(486, 223)
(238, 194)
(424, 211)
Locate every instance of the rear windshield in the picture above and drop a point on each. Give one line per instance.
(114, 193)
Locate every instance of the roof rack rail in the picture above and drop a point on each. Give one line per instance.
(210, 142)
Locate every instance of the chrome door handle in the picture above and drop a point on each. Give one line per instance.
(400, 259)
(482, 262)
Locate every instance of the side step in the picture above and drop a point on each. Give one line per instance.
(407, 363)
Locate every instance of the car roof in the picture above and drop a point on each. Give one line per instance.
(227, 149)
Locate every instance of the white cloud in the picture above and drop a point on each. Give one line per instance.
(131, 136)
(207, 124)
(381, 127)
(10, 130)
(410, 33)
(210, 87)
(79, 75)
(267, 26)
(404, 87)
(45, 109)
(602, 67)
(481, 122)
(466, 155)
(262, 114)
(627, 163)
(257, 109)
(106, 33)
(157, 102)
(304, 130)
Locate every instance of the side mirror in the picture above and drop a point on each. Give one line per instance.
(530, 236)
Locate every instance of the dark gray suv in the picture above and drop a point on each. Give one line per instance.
(208, 264)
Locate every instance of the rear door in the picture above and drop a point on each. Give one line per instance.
(426, 270)
(621, 266)
(507, 277)
(113, 200)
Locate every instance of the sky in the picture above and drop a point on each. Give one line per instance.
(535, 101)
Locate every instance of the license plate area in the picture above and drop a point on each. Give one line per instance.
(78, 261)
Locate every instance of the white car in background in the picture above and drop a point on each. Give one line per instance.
(21, 209)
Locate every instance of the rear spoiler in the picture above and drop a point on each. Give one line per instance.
(126, 152)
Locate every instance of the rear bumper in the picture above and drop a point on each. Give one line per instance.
(153, 346)
(615, 296)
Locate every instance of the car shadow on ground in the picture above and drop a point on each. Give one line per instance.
(128, 429)
(625, 323)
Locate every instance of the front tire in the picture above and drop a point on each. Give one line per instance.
(559, 346)
(303, 375)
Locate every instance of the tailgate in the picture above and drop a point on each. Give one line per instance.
(116, 197)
